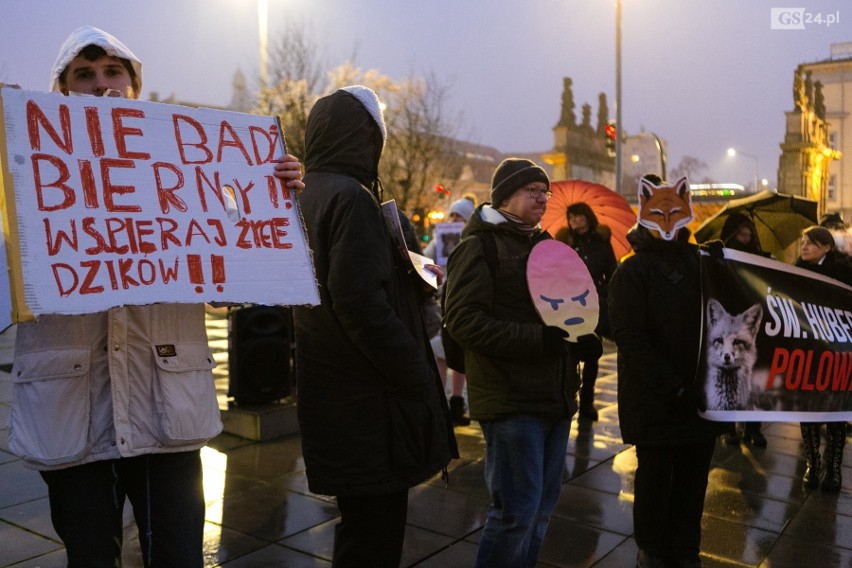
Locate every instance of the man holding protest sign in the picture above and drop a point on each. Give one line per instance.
(117, 404)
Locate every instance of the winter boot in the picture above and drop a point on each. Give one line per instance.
(833, 479)
(457, 411)
(588, 410)
(752, 435)
(811, 441)
(731, 437)
(645, 559)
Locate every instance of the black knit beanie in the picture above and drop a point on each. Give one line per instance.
(513, 173)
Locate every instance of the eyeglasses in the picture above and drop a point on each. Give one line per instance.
(535, 192)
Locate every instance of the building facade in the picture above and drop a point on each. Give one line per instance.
(819, 134)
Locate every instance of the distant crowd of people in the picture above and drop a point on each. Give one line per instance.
(375, 417)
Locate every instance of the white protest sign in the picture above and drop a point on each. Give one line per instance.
(447, 237)
(111, 201)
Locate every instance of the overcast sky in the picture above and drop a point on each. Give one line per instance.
(704, 75)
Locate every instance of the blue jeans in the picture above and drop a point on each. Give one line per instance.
(524, 465)
(167, 495)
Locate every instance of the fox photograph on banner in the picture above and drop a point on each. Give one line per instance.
(110, 201)
(776, 344)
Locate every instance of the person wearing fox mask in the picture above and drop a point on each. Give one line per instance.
(655, 313)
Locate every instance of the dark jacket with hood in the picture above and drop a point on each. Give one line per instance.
(372, 411)
(495, 319)
(655, 311)
(833, 266)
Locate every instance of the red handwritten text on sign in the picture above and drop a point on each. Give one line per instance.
(127, 195)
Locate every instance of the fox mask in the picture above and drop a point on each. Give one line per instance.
(665, 208)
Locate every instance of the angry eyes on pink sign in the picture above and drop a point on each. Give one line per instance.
(562, 289)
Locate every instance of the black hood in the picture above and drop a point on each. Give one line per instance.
(641, 238)
(342, 137)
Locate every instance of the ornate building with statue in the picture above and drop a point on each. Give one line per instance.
(817, 129)
(580, 149)
(587, 152)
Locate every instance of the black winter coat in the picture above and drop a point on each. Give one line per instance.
(495, 319)
(655, 311)
(595, 248)
(372, 411)
(833, 266)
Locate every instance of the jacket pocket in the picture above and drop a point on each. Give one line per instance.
(51, 412)
(186, 395)
(411, 437)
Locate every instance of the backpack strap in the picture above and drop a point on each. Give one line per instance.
(489, 247)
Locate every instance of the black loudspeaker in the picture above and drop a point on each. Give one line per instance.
(260, 349)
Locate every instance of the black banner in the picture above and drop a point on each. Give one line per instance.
(776, 342)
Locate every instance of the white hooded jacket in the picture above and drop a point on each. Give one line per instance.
(130, 381)
(89, 35)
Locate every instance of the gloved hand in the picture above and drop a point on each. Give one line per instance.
(588, 347)
(714, 248)
(554, 340)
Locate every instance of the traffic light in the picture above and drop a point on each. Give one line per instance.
(442, 191)
(611, 132)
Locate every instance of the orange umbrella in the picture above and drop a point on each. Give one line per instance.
(610, 208)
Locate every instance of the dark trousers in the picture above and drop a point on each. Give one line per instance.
(167, 495)
(668, 492)
(590, 376)
(371, 530)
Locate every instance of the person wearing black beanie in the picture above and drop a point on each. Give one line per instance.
(521, 373)
(513, 173)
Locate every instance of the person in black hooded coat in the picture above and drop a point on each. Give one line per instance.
(592, 241)
(373, 417)
(655, 309)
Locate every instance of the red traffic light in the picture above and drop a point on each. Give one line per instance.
(610, 131)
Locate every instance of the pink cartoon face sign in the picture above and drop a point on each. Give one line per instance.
(562, 289)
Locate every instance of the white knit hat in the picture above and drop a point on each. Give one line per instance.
(368, 97)
(463, 207)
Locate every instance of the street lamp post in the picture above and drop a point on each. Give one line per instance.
(618, 126)
(734, 152)
(263, 33)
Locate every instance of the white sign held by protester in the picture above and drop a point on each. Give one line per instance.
(447, 237)
(110, 201)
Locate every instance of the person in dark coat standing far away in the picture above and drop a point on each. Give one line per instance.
(591, 240)
(655, 311)
(522, 374)
(373, 416)
(739, 233)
